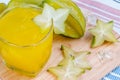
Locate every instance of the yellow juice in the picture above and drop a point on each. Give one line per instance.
(23, 46)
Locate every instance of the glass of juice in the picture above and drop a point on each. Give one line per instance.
(24, 47)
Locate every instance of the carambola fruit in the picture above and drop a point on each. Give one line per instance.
(75, 23)
(102, 32)
(72, 66)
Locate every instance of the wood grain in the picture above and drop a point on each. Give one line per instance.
(99, 69)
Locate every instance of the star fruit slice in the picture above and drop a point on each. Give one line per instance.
(79, 58)
(67, 71)
(68, 68)
(75, 23)
(102, 32)
(49, 13)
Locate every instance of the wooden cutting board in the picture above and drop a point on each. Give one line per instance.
(99, 67)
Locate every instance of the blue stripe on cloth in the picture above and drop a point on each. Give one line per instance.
(113, 75)
(118, 1)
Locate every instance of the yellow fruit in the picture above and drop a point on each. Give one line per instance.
(75, 23)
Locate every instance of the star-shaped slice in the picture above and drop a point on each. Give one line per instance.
(67, 71)
(102, 32)
(72, 66)
(79, 58)
(49, 16)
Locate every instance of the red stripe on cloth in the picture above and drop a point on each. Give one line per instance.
(102, 6)
(97, 11)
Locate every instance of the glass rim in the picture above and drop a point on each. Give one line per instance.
(28, 45)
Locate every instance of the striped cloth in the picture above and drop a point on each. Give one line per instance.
(105, 10)
(113, 75)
